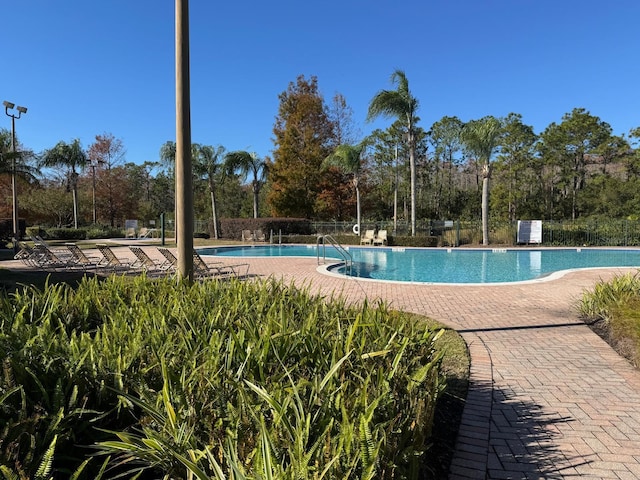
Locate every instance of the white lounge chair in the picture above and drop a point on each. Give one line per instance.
(247, 236)
(367, 238)
(380, 238)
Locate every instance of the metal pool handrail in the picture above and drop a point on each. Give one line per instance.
(344, 253)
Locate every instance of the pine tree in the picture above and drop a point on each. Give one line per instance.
(303, 139)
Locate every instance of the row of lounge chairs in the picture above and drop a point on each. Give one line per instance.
(255, 236)
(370, 237)
(72, 257)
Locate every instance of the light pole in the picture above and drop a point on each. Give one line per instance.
(94, 165)
(395, 197)
(14, 187)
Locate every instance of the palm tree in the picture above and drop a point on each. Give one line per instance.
(22, 157)
(348, 158)
(15, 165)
(246, 163)
(71, 156)
(168, 159)
(206, 162)
(400, 104)
(481, 138)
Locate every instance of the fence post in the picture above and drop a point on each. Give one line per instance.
(162, 228)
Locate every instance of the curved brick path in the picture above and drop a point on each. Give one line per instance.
(548, 398)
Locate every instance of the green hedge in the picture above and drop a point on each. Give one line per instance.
(255, 376)
(66, 233)
(6, 229)
(232, 228)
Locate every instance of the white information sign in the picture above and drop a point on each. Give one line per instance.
(529, 231)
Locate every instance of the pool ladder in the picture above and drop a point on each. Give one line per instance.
(343, 252)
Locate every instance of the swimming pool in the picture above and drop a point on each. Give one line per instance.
(435, 265)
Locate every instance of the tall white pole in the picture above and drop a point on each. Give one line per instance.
(395, 197)
(14, 186)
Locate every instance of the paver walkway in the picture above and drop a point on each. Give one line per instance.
(548, 398)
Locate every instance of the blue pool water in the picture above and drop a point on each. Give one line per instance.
(450, 265)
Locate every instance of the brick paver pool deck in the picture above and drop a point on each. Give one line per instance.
(548, 398)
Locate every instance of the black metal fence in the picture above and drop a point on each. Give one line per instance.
(459, 232)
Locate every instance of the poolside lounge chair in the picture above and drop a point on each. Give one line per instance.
(111, 261)
(79, 258)
(218, 269)
(48, 259)
(148, 264)
(247, 236)
(380, 238)
(171, 260)
(367, 238)
(147, 232)
(202, 269)
(259, 236)
(40, 242)
(27, 254)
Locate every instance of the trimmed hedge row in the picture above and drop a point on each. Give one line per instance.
(347, 239)
(231, 228)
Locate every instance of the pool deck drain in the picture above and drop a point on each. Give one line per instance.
(548, 398)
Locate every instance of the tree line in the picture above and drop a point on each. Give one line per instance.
(322, 168)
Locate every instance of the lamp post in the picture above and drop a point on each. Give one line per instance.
(395, 197)
(94, 165)
(14, 187)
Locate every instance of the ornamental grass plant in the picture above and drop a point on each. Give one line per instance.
(125, 378)
(612, 309)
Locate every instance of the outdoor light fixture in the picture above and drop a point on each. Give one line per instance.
(14, 187)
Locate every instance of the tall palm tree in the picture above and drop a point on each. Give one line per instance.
(15, 164)
(348, 158)
(247, 163)
(72, 157)
(207, 162)
(400, 104)
(22, 157)
(482, 138)
(168, 159)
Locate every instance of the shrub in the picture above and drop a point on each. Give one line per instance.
(605, 296)
(417, 241)
(232, 227)
(104, 232)
(36, 231)
(66, 233)
(216, 376)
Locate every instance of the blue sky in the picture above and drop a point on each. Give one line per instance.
(91, 67)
